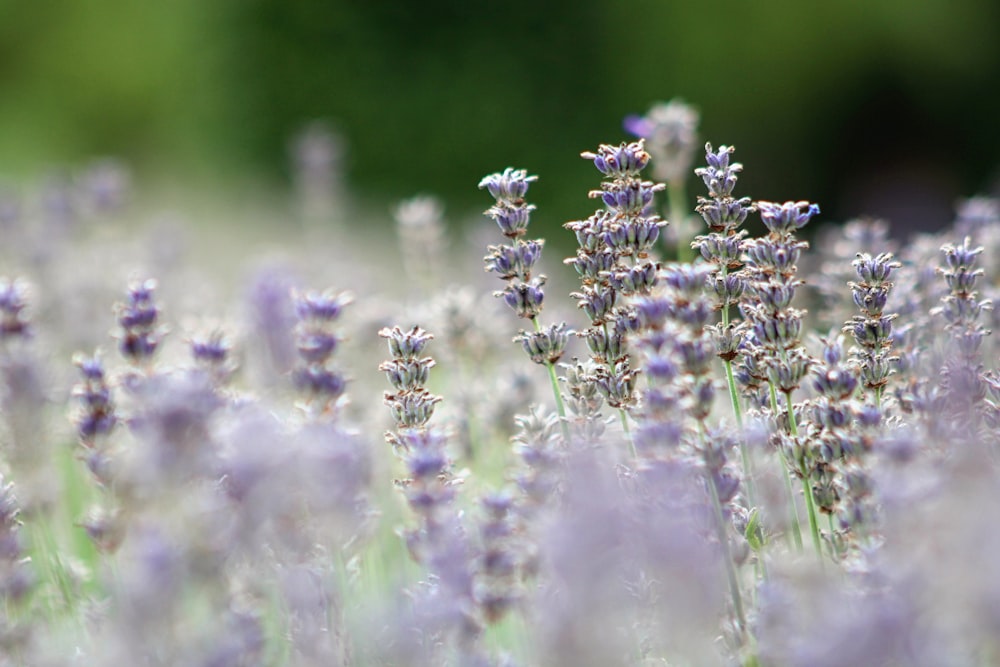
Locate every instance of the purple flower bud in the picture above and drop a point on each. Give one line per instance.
(836, 383)
(875, 270)
(605, 347)
(625, 160)
(405, 344)
(724, 250)
(596, 301)
(783, 220)
(412, 409)
(137, 317)
(515, 261)
(512, 220)
(320, 306)
(525, 299)
(509, 187)
(592, 264)
(720, 176)
(640, 278)
(961, 257)
(319, 381)
(780, 257)
(545, 346)
(14, 321)
(407, 374)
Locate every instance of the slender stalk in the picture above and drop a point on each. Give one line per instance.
(806, 487)
(560, 405)
(676, 202)
(720, 528)
(628, 433)
(793, 513)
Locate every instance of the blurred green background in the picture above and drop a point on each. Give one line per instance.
(879, 107)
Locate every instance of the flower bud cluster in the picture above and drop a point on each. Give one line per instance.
(961, 307)
(96, 418)
(723, 246)
(140, 334)
(774, 326)
(614, 264)
(14, 320)
(872, 329)
(835, 431)
(411, 404)
(515, 262)
(316, 340)
(676, 354)
(965, 386)
(16, 577)
(670, 130)
(212, 354)
(499, 562)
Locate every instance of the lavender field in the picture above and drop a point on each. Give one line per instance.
(685, 444)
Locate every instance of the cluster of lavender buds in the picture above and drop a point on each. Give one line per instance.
(316, 339)
(838, 248)
(422, 238)
(872, 329)
(671, 132)
(14, 321)
(138, 318)
(961, 309)
(96, 417)
(16, 577)
(723, 249)
(776, 326)
(677, 354)
(614, 264)
(422, 448)
(439, 541)
(515, 262)
(843, 432)
(212, 354)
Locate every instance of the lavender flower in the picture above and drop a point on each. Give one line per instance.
(140, 333)
(316, 341)
(14, 320)
(670, 130)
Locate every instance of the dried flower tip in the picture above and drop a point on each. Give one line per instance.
(875, 270)
(509, 187)
(719, 176)
(405, 344)
(624, 160)
(323, 306)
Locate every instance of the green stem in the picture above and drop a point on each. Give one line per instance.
(560, 406)
(806, 486)
(628, 433)
(677, 204)
(793, 513)
(720, 529)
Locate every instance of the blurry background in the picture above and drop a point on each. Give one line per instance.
(886, 108)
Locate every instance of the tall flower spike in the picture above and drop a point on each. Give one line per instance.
(514, 264)
(670, 130)
(316, 340)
